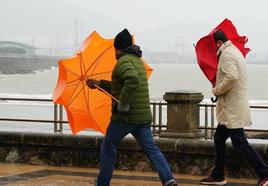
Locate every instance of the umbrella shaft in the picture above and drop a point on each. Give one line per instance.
(108, 94)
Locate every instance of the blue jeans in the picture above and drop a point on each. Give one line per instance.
(142, 133)
(241, 145)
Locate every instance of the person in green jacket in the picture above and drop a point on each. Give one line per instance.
(131, 114)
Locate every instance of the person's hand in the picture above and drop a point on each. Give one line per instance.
(123, 108)
(92, 82)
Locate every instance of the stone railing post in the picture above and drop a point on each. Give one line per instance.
(182, 114)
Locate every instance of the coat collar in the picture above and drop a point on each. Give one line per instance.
(223, 47)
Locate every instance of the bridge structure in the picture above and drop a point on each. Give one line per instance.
(16, 48)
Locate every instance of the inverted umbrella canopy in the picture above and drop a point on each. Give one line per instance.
(87, 108)
(206, 49)
(206, 57)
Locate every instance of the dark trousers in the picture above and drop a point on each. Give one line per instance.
(241, 145)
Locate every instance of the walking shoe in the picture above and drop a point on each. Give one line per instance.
(263, 182)
(174, 183)
(213, 181)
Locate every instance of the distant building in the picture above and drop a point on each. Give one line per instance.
(16, 48)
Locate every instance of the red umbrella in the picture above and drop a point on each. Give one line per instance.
(206, 49)
(206, 57)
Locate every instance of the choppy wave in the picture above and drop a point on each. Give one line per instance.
(34, 96)
(46, 70)
(23, 96)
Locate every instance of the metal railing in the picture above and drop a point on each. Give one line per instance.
(159, 123)
(157, 110)
(209, 126)
(58, 119)
(58, 114)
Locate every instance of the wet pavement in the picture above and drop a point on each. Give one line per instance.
(30, 175)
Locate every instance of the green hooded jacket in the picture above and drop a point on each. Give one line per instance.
(130, 86)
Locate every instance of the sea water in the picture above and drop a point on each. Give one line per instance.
(165, 78)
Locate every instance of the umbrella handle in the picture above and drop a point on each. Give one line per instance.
(107, 93)
(214, 99)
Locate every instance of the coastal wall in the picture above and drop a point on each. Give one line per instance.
(191, 156)
(26, 64)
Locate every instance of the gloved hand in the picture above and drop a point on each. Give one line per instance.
(92, 82)
(123, 108)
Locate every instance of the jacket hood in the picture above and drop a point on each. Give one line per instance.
(134, 49)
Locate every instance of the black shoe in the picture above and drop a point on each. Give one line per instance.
(263, 182)
(174, 183)
(213, 181)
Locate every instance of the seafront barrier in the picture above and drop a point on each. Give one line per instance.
(182, 144)
(27, 64)
(191, 156)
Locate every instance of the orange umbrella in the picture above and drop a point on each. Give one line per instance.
(87, 108)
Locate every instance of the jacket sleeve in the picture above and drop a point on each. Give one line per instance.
(229, 69)
(105, 85)
(130, 76)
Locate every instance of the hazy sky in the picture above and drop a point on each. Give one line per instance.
(156, 24)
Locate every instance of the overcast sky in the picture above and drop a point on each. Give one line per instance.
(156, 24)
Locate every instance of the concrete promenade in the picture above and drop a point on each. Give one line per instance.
(190, 156)
(30, 175)
(185, 156)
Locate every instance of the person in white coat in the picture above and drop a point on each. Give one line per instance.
(232, 112)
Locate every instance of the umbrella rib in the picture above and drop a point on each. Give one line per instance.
(72, 72)
(98, 74)
(97, 59)
(86, 99)
(95, 65)
(72, 97)
(80, 62)
(73, 81)
(76, 96)
(83, 63)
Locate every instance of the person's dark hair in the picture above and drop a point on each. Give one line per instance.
(219, 36)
